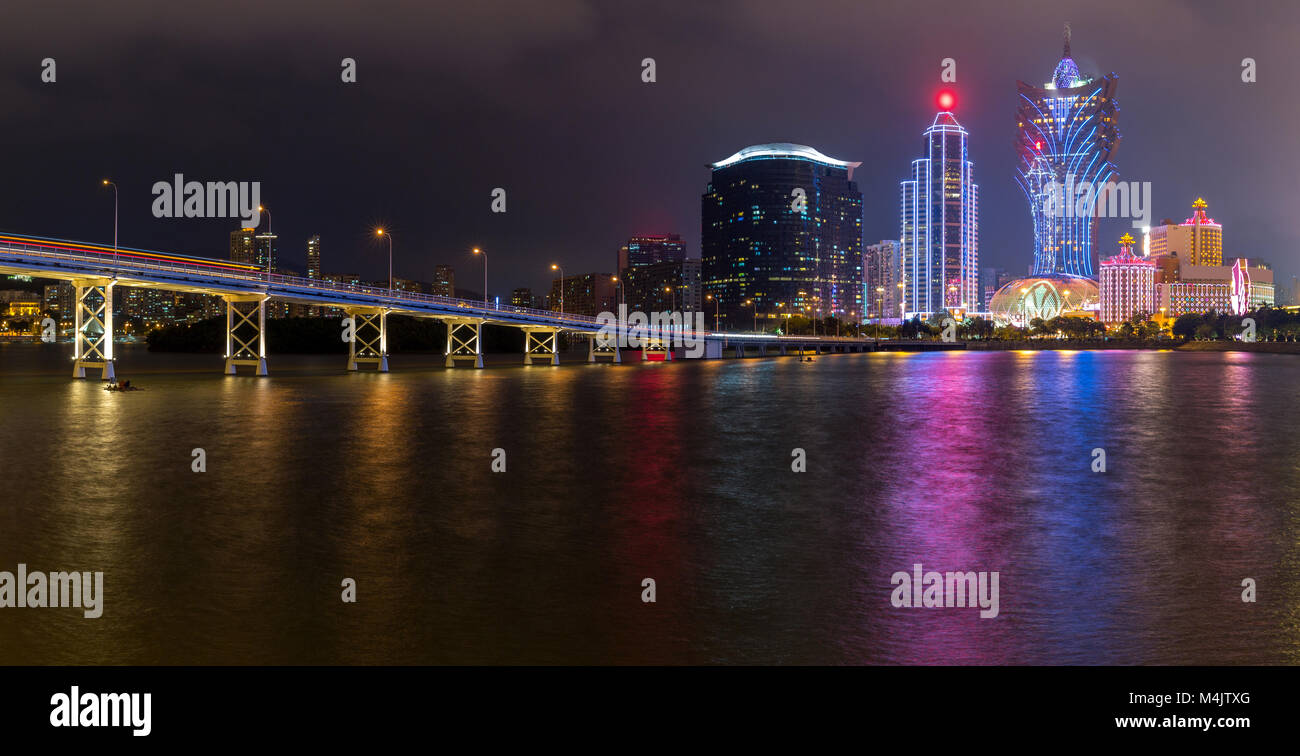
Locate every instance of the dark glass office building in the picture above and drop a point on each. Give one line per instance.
(781, 232)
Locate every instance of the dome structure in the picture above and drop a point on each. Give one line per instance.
(1046, 297)
(1066, 75)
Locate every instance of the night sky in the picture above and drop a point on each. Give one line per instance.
(545, 99)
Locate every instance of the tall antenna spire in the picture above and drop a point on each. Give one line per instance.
(1067, 39)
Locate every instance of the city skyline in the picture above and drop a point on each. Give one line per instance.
(392, 166)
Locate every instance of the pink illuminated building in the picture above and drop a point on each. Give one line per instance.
(1128, 285)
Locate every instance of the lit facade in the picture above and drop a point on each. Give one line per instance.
(882, 268)
(313, 256)
(1198, 240)
(523, 297)
(761, 245)
(1067, 136)
(1046, 297)
(242, 245)
(584, 294)
(1238, 289)
(444, 281)
(651, 249)
(940, 225)
(1127, 285)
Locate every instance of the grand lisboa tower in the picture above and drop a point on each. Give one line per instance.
(1066, 136)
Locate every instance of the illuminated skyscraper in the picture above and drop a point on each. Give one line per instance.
(1067, 135)
(242, 245)
(313, 256)
(264, 251)
(1196, 241)
(940, 223)
(781, 230)
(1128, 285)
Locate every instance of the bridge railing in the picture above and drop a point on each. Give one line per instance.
(112, 263)
(383, 295)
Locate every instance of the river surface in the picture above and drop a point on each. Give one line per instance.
(681, 473)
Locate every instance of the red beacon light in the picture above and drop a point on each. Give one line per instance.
(946, 100)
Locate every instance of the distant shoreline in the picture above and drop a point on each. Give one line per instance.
(1270, 347)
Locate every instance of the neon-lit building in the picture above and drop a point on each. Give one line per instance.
(1128, 285)
(882, 265)
(1197, 241)
(1237, 289)
(1067, 135)
(781, 232)
(940, 223)
(1046, 297)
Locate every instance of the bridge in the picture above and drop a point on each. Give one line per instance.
(95, 271)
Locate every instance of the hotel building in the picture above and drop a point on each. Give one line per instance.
(781, 229)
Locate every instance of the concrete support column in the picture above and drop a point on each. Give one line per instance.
(464, 342)
(93, 324)
(369, 342)
(245, 337)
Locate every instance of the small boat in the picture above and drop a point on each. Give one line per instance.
(122, 387)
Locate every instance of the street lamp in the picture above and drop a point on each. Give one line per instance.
(557, 266)
(110, 183)
(714, 299)
(478, 251)
(618, 287)
(753, 302)
(378, 232)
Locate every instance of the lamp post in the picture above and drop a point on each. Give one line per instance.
(755, 303)
(479, 251)
(618, 287)
(557, 266)
(110, 183)
(378, 232)
(716, 327)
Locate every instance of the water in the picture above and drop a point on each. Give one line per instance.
(677, 472)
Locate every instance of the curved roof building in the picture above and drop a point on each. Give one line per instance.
(781, 234)
(1046, 297)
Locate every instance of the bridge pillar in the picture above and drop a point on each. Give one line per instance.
(606, 347)
(782, 348)
(93, 337)
(654, 345)
(740, 350)
(762, 350)
(369, 344)
(465, 341)
(542, 343)
(250, 351)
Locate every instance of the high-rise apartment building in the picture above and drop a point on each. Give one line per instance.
(781, 228)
